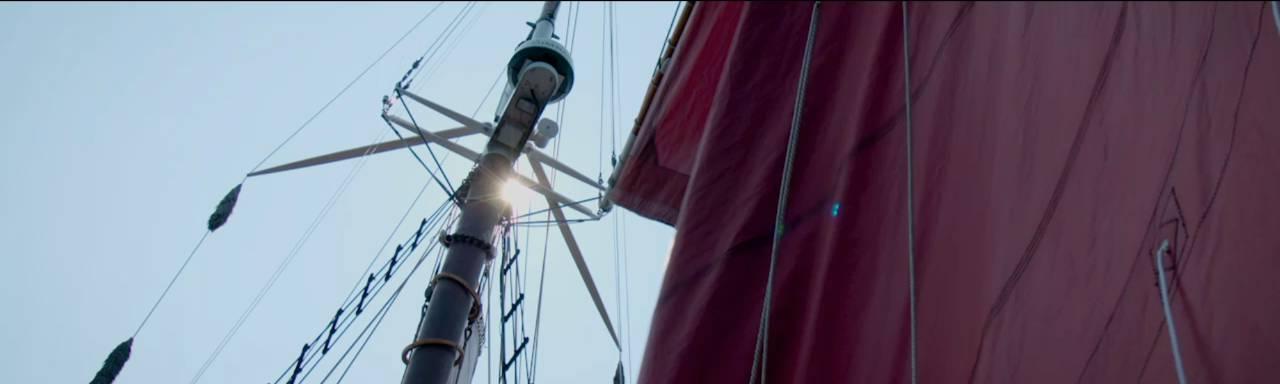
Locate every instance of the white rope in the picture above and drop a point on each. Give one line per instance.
(1168, 313)
(911, 224)
(762, 337)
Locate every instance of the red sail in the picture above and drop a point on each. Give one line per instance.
(1056, 146)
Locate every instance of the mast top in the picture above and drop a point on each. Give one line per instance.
(541, 45)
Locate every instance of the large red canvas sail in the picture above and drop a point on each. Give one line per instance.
(1055, 147)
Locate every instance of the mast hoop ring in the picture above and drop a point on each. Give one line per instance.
(475, 297)
(404, 356)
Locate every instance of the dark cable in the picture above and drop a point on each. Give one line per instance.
(447, 191)
(433, 220)
(171, 281)
(425, 143)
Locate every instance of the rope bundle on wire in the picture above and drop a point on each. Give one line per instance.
(119, 355)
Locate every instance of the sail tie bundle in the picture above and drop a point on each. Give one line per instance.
(115, 361)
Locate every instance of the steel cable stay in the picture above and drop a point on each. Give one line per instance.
(514, 282)
(382, 275)
(617, 293)
(447, 190)
(430, 72)
(293, 253)
(604, 51)
(288, 260)
(551, 223)
(626, 286)
(419, 66)
(415, 69)
(345, 308)
(376, 321)
(547, 210)
(545, 131)
(433, 247)
(614, 107)
(423, 64)
(488, 360)
(457, 40)
(614, 85)
(341, 92)
(496, 80)
(572, 28)
(760, 359)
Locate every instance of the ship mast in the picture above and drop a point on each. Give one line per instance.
(539, 73)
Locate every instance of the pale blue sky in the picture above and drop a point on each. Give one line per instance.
(123, 124)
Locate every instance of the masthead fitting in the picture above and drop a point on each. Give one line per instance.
(541, 46)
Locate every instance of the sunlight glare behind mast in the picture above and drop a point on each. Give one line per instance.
(515, 194)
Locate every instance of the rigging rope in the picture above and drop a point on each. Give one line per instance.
(425, 253)
(666, 38)
(344, 89)
(617, 280)
(572, 28)
(412, 74)
(604, 22)
(626, 272)
(611, 8)
(426, 144)
(613, 84)
(383, 247)
(496, 80)
(115, 361)
(456, 40)
(761, 359)
(1168, 313)
(617, 85)
(429, 224)
(380, 315)
(430, 73)
(171, 281)
(406, 81)
(288, 259)
(448, 189)
(911, 228)
(430, 54)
